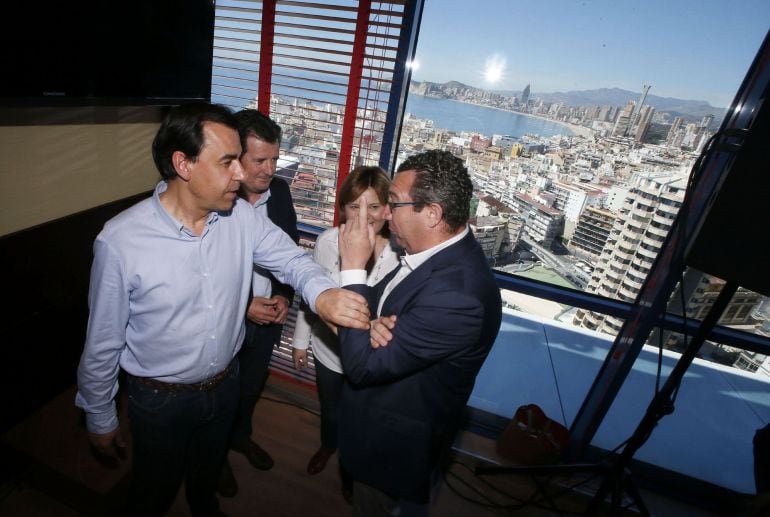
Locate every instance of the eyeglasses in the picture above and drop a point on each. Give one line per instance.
(393, 204)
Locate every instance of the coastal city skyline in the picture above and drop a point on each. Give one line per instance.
(559, 206)
(686, 50)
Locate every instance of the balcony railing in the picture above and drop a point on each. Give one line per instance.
(552, 364)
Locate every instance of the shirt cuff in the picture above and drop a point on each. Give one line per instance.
(101, 423)
(352, 277)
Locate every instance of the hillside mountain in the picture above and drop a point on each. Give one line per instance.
(457, 84)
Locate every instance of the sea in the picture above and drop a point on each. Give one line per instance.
(461, 116)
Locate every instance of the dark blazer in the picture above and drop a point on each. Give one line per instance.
(402, 404)
(280, 210)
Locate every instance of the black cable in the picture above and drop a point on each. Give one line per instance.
(535, 500)
(520, 503)
(682, 301)
(487, 502)
(555, 380)
(660, 361)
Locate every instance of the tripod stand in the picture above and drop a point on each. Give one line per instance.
(615, 471)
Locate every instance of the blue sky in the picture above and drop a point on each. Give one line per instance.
(688, 49)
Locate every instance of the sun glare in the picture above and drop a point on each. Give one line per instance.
(495, 66)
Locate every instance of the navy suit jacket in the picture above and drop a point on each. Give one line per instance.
(402, 404)
(280, 210)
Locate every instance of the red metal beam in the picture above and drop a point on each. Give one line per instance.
(351, 104)
(266, 56)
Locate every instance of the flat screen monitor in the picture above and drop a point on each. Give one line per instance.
(106, 52)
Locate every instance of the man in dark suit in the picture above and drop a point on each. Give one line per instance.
(439, 314)
(269, 306)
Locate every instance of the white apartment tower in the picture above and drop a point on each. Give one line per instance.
(633, 244)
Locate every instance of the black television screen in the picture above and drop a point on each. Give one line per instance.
(106, 52)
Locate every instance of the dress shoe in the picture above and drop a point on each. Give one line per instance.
(227, 486)
(347, 492)
(318, 462)
(257, 456)
(347, 485)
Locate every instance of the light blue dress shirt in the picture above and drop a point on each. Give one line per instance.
(260, 283)
(167, 304)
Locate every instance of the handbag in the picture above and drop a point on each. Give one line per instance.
(531, 438)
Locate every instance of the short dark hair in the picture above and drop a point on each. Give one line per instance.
(356, 183)
(182, 130)
(255, 123)
(442, 178)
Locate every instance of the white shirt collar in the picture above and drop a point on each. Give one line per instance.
(263, 197)
(416, 260)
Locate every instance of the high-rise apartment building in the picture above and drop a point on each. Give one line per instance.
(606, 113)
(592, 232)
(644, 123)
(674, 131)
(525, 96)
(490, 232)
(624, 120)
(633, 243)
(572, 199)
(542, 224)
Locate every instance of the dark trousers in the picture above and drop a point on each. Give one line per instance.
(254, 359)
(329, 385)
(179, 435)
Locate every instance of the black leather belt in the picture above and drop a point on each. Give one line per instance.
(204, 385)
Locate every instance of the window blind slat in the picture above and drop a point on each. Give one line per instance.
(311, 59)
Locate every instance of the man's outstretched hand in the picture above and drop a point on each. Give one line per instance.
(343, 308)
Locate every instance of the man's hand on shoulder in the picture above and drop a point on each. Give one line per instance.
(343, 308)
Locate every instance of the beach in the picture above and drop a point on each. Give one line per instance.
(576, 130)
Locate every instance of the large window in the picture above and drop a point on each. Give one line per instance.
(580, 123)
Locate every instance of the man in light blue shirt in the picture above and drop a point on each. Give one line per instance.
(170, 284)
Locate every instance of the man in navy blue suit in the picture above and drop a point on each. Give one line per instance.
(269, 306)
(438, 316)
